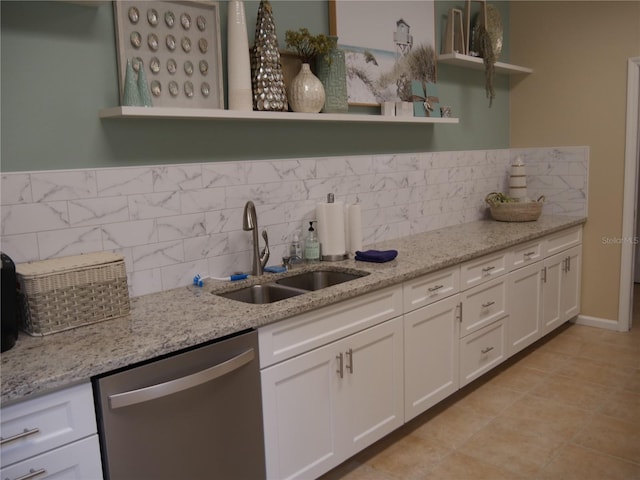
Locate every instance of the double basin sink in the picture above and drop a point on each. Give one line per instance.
(288, 287)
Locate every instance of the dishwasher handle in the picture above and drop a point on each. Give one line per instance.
(141, 395)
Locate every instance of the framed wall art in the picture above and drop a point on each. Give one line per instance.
(178, 45)
(387, 45)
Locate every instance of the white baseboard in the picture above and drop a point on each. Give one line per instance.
(604, 323)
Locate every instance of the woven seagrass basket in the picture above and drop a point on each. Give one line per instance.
(69, 292)
(514, 211)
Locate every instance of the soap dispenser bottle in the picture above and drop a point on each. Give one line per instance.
(311, 245)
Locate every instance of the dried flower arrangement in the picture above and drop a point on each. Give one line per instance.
(308, 46)
(418, 64)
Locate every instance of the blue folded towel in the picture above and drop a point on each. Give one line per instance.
(377, 256)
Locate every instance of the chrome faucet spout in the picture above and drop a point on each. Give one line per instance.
(250, 223)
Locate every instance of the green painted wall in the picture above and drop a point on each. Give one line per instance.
(59, 69)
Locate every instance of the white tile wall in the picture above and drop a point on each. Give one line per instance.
(171, 222)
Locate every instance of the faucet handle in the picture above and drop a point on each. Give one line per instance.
(264, 255)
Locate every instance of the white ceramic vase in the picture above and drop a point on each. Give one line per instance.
(238, 64)
(306, 93)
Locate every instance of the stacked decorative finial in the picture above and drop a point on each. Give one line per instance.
(518, 182)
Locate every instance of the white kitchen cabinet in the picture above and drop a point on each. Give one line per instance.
(561, 288)
(78, 461)
(54, 435)
(323, 406)
(483, 350)
(526, 300)
(479, 270)
(431, 363)
(545, 294)
(483, 304)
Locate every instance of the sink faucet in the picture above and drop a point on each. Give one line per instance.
(250, 222)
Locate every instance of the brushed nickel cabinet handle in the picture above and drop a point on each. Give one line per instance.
(349, 354)
(486, 350)
(435, 288)
(340, 370)
(488, 304)
(25, 433)
(488, 269)
(33, 473)
(544, 274)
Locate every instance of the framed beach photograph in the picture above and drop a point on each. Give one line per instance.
(387, 44)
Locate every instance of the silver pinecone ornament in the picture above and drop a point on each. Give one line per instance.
(267, 79)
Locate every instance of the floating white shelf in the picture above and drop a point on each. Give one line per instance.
(467, 61)
(216, 114)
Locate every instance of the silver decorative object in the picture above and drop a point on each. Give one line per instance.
(175, 42)
(267, 78)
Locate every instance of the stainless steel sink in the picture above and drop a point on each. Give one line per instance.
(319, 279)
(262, 293)
(290, 286)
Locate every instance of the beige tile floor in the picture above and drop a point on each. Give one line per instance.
(568, 407)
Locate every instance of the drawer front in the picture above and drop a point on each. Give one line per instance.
(482, 350)
(287, 338)
(431, 288)
(54, 419)
(560, 241)
(480, 270)
(483, 305)
(79, 460)
(524, 255)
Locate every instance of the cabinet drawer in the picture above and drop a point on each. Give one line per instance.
(524, 255)
(483, 304)
(54, 419)
(431, 288)
(479, 270)
(482, 350)
(79, 460)
(563, 240)
(287, 338)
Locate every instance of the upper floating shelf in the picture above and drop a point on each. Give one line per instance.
(467, 61)
(211, 114)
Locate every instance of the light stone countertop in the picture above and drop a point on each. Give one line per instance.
(166, 322)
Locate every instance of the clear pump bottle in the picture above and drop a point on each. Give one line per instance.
(311, 245)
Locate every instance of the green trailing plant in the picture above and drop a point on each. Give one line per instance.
(489, 60)
(308, 46)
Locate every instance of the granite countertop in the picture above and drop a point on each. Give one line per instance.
(166, 322)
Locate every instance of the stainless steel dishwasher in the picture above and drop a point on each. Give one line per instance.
(192, 415)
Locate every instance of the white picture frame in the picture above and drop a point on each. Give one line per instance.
(370, 53)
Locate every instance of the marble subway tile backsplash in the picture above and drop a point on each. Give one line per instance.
(172, 222)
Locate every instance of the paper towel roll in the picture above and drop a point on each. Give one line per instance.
(353, 219)
(331, 231)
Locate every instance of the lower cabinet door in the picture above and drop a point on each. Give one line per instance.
(571, 284)
(482, 350)
(431, 336)
(322, 407)
(298, 398)
(371, 392)
(552, 316)
(79, 460)
(525, 316)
